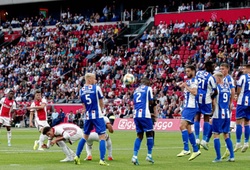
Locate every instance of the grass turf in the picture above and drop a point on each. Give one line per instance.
(21, 156)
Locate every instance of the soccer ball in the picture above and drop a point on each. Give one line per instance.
(128, 79)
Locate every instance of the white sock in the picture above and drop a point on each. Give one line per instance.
(72, 153)
(64, 148)
(109, 146)
(9, 136)
(89, 149)
(41, 140)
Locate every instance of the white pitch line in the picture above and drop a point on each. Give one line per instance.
(114, 149)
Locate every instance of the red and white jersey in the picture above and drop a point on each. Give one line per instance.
(40, 114)
(233, 114)
(6, 107)
(67, 130)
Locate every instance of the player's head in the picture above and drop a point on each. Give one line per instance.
(10, 94)
(224, 69)
(48, 131)
(219, 77)
(242, 69)
(190, 71)
(209, 66)
(247, 69)
(38, 95)
(90, 78)
(145, 81)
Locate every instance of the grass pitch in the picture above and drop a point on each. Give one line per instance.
(21, 156)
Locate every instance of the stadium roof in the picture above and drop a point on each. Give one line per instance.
(13, 2)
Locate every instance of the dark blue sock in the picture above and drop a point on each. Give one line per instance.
(197, 129)
(193, 142)
(206, 128)
(238, 133)
(102, 148)
(80, 147)
(137, 146)
(150, 144)
(230, 147)
(217, 148)
(185, 139)
(209, 134)
(246, 128)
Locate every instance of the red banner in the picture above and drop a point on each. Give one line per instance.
(11, 37)
(226, 15)
(160, 125)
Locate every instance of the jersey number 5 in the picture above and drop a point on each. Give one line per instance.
(87, 97)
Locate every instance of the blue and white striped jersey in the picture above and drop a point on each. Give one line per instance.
(90, 95)
(222, 102)
(230, 81)
(244, 84)
(142, 95)
(207, 84)
(190, 99)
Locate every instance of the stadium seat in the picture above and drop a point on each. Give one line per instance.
(173, 61)
(187, 52)
(182, 48)
(192, 51)
(172, 65)
(181, 52)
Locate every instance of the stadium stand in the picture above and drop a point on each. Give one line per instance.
(55, 59)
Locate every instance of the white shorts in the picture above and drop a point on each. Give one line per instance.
(233, 124)
(40, 124)
(5, 121)
(94, 137)
(76, 137)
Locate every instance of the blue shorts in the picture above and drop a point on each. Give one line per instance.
(205, 109)
(243, 112)
(98, 124)
(188, 114)
(221, 126)
(143, 124)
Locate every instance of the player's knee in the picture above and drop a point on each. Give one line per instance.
(140, 135)
(183, 125)
(226, 135)
(239, 121)
(246, 122)
(102, 137)
(149, 134)
(206, 118)
(197, 117)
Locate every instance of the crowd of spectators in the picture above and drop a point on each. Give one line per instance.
(108, 13)
(67, 17)
(55, 61)
(168, 47)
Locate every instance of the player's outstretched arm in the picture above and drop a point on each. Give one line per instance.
(110, 127)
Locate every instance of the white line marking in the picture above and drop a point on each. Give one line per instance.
(114, 149)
